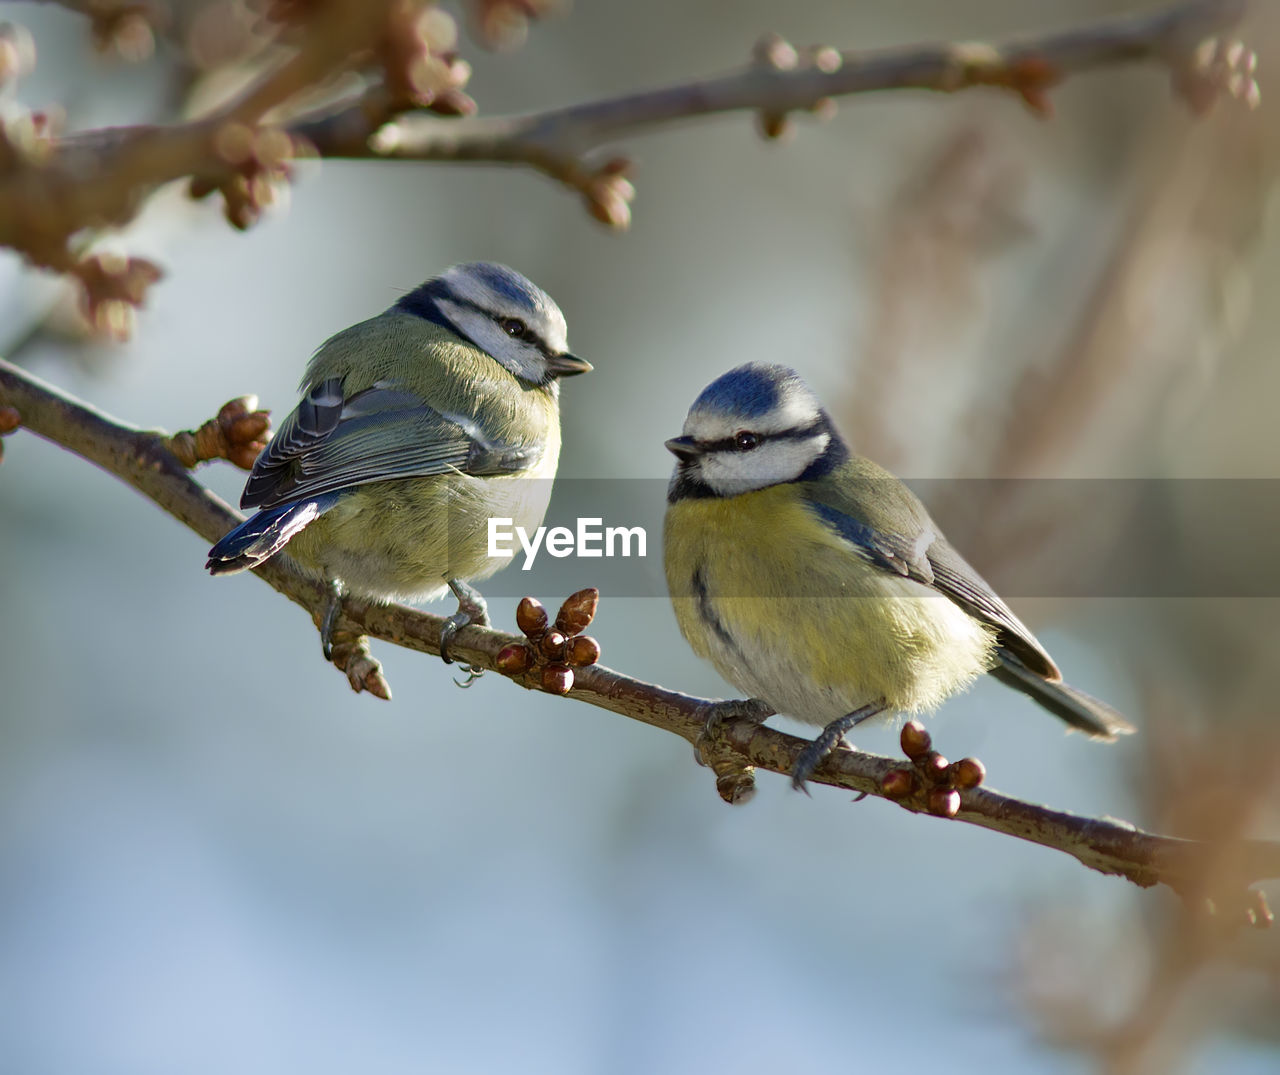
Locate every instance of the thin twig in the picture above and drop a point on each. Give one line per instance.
(782, 80)
(140, 459)
(53, 190)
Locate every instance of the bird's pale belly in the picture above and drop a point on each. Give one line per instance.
(816, 659)
(396, 541)
(815, 631)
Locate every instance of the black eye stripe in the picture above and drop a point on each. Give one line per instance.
(529, 337)
(730, 444)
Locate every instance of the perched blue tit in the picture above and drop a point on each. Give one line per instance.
(816, 582)
(415, 427)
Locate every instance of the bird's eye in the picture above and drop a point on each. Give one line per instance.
(515, 328)
(745, 441)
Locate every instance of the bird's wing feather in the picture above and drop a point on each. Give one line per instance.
(954, 577)
(889, 550)
(330, 443)
(888, 526)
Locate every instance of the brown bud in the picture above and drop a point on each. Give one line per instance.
(128, 33)
(514, 660)
(557, 679)
(967, 773)
(898, 783)
(824, 108)
(945, 802)
(582, 651)
(827, 60)
(738, 786)
(249, 427)
(607, 202)
(915, 740)
(233, 142)
(453, 102)
(531, 617)
(577, 611)
(774, 124)
(233, 408)
(934, 766)
(552, 645)
(10, 419)
(774, 50)
(244, 456)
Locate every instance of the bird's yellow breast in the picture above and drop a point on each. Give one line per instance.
(789, 612)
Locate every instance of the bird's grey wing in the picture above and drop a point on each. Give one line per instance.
(330, 443)
(889, 527)
(882, 519)
(955, 577)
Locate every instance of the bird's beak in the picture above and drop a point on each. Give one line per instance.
(567, 365)
(684, 448)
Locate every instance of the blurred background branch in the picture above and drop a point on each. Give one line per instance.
(56, 189)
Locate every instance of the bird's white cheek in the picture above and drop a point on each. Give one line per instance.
(730, 473)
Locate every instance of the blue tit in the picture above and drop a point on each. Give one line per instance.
(815, 581)
(415, 428)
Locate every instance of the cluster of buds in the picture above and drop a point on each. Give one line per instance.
(775, 53)
(1216, 67)
(609, 192)
(939, 780)
(418, 55)
(114, 286)
(258, 161)
(238, 434)
(504, 24)
(125, 27)
(10, 419)
(553, 650)
(413, 42)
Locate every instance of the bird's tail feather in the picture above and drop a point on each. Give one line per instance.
(261, 536)
(1094, 718)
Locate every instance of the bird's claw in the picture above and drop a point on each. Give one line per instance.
(472, 675)
(716, 714)
(828, 739)
(472, 611)
(332, 609)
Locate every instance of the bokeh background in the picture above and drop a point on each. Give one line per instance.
(214, 857)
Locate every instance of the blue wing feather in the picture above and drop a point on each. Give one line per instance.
(330, 443)
(265, 534)
(914, 548)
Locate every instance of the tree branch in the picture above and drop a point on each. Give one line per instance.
(52, 189)
(782, 79)
(140, 458)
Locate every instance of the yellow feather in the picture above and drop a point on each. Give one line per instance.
(787, 610)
